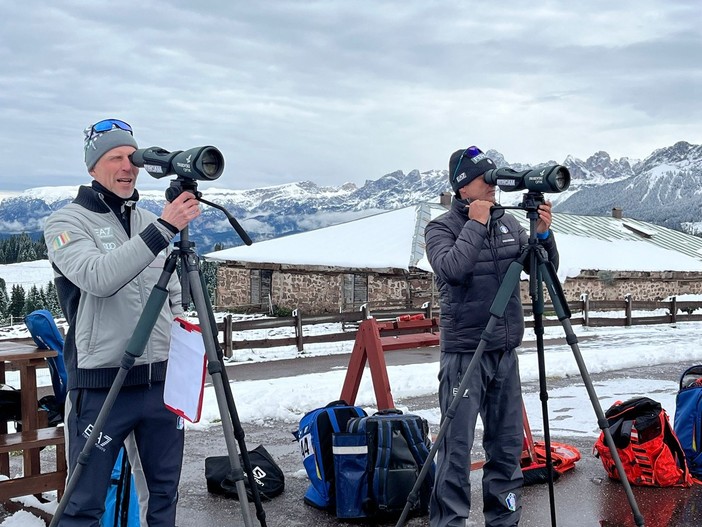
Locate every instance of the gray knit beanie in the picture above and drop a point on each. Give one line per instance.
(98, 144)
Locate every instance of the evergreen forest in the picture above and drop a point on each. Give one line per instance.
(18, 302)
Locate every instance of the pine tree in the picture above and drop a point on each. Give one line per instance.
(209, 273)
(25, 249)
(4, 299)
(52, 301)
(16, 306)
(40, 248)
(21, 248)
(32, 301)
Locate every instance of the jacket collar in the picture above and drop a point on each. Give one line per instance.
(97, 198)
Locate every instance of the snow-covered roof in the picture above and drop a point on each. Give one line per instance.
(387, 240)
(395, 240)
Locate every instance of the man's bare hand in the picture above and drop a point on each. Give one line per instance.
(479, 210)
(181, 211)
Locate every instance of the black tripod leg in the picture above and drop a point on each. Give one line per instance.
(563, 312)
(190, 265)
(497, 309)
(135, 348)
(537, 302)
(234, 414)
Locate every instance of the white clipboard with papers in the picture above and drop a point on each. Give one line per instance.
(185, 375)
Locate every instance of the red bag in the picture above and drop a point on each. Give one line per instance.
(646, 443)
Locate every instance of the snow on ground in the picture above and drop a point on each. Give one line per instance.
(27, 274)
(603, 349)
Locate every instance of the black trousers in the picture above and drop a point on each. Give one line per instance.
(159, 437)
(495, 394)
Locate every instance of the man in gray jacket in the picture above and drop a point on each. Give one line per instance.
(470, 248)
(107, 255)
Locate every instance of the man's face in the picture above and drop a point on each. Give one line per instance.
(115, 171)
(478, 190)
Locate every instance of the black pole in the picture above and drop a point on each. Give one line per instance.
(563, 312)
(190, 267)
(234, 415)
(537, 303)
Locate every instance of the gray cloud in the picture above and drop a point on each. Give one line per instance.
(334, 91)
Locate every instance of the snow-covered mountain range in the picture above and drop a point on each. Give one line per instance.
(665, 188)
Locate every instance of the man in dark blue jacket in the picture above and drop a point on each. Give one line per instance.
(470, 248)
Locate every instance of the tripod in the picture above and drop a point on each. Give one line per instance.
(193, 286)
(540, 269)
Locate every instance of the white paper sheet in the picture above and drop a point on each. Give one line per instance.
(185, 375)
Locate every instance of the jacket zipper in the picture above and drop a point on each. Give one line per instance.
(140, 281)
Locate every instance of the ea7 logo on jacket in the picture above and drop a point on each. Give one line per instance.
(106, 236)
(103, 232)
(102, 440)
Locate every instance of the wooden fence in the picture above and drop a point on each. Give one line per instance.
(677, 311)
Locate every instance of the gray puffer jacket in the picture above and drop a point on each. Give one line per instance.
(469, 261)
(103, 279)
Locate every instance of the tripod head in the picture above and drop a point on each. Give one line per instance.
(185, 249)
(184, 184)
(530, 202)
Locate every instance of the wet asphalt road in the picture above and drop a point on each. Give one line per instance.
(583, 497)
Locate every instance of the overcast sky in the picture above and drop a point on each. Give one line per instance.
(339, 91)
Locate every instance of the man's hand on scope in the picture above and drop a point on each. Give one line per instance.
(181, 211)
(479, 210)
(544, 222)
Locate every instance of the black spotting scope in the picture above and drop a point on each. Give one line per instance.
(555, 178)
(204, 163)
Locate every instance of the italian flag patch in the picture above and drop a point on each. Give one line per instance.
(61, 240)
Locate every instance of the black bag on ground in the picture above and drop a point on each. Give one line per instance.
(377, 462)
(10, 403)
(266, 472)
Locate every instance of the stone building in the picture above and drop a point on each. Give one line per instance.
(380, 260)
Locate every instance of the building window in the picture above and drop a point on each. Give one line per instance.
(355, 289)
(261, 286)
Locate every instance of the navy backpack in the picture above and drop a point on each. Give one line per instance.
(688, 418)
(314, 435)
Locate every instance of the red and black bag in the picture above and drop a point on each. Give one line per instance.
(648, 448)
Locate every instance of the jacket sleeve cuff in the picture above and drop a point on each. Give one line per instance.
(171, 228)
(156, 237)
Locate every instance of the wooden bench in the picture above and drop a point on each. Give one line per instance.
(36, 483)
(35, 435)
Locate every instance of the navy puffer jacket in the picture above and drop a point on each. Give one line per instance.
(469, 261)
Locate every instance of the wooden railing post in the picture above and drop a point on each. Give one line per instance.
(228, 350)
(673, 310)
(366, 311)
(585, 302)
(298, 329)
(627, 310)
